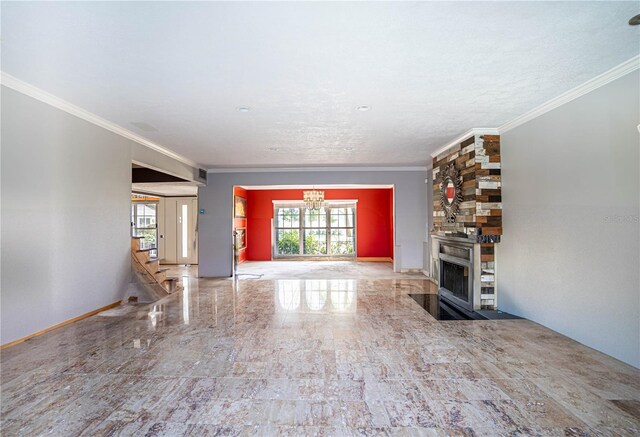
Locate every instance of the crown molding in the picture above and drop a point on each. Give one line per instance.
(464, 136)
(590, 85)
(45, 97)
(310, 169)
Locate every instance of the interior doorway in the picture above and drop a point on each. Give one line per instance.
(164, 211)
(352, 223)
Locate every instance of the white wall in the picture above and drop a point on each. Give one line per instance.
(570, 255)
(66, 190)
(215, 240)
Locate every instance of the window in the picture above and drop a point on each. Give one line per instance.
(288, 231)
(144, 224)
(315, 231)
(326, 231)
(342, 231)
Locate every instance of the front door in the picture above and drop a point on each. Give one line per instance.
(186, 232)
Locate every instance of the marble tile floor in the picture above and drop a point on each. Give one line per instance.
(332, 357)
(303, 269)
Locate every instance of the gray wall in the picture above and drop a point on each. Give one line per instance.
(215, 226)
(65, 187)
(570, 254)
(427, 241)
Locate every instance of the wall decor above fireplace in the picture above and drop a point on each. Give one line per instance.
(450, 192)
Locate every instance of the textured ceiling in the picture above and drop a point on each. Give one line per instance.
(430, 71)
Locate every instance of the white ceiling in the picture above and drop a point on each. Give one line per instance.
(429, 70)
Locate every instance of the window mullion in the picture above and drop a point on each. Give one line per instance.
(327, 229)
(301, 212)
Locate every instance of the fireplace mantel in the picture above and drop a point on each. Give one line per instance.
(454, 238)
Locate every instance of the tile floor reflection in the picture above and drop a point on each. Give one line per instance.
(310, 357)
(316, 295)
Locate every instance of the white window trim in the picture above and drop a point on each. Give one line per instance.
(300, 204)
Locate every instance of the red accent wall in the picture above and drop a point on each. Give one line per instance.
(391, 242)
(374, 219)
(241, 223)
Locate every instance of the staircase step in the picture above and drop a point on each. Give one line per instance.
(171, 284)
(148, 271)
(160, 275)
(135, 244)
(137, 238)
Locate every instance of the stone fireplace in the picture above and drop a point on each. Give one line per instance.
(468, 224)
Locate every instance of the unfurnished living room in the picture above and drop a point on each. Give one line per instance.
(320, 218)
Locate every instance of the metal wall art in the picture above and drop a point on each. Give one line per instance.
(451, 192)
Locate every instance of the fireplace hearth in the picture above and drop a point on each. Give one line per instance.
(441, 309)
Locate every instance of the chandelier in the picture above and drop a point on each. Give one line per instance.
(313, 199)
